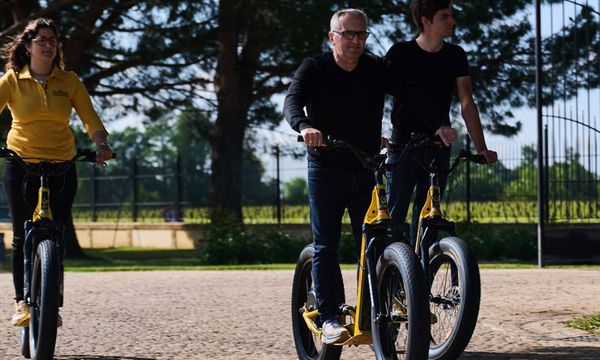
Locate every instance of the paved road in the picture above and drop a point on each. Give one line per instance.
(245, 315)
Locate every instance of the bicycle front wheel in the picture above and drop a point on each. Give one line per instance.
(455, 295)
(24, 342)
(44, 301)
(401, 331)
(308, 345)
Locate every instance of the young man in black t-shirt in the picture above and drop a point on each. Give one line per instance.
(436, 67)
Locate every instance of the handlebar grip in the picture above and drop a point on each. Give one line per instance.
(479, 159)
(300, 138)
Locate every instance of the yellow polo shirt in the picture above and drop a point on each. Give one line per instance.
(41, 113)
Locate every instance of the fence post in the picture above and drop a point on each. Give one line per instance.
(134, 179)
(94, 194)
(178, 188)
(1, 248)
(468, 179)
(278, 188)
(546, 176)
(540, 136)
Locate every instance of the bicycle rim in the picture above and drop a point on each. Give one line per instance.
(455, 295)
(446, 300)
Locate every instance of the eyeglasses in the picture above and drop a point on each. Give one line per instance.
(349, 35)
(43, 41)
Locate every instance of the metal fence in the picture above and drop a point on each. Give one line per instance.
(570, 100)
(134, 189)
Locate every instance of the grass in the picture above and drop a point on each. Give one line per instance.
(136, 259)
(513, 211)
(590, 324)
(146, 259)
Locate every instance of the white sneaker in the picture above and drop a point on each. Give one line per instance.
(21, 316)
(333, 332)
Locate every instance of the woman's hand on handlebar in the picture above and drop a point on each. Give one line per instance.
(103, 153)
(312, 137)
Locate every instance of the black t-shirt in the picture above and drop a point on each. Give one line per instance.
(347, 104)
(434, 73)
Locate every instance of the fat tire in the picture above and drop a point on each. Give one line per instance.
(398, 268)
(303, 337)
(464, 274)
(44, 294)
(24, 342)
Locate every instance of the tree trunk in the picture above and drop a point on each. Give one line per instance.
(75, 47)
(72, 247)
(233, 82)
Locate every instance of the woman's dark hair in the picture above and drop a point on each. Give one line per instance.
(427, 8)
(17, 55)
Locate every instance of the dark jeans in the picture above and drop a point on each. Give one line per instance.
(21, 193)
(404, 178)
(331, 191)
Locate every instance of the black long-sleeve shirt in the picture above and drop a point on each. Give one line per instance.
(349, 104)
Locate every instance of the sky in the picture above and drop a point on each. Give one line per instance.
(507, 148)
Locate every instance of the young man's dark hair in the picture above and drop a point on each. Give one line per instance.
(427, 8)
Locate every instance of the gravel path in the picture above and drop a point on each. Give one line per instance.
(246, 315)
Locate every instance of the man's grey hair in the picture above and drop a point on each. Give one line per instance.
(335, 19)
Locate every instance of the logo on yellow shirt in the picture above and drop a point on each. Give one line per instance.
(60, 93)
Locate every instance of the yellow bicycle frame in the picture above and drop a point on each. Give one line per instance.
(377, 212)
(431, 209)
(42, 209)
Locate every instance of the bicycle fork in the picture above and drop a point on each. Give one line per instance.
(40, 228)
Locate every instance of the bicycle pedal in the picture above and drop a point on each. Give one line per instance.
(347, 309)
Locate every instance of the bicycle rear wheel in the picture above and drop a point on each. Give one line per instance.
(402, 329)
(308, 346)
(44, 297)
(455, 295)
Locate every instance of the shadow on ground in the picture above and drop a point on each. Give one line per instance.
(99, 357)
(572, 353)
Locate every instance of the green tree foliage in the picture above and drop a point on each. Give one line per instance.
(295, 191)
(231, 57)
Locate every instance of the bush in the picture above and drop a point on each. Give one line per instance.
(228, 244)
(492, 243)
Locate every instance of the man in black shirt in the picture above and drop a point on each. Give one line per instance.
(435, 67)
(343, 92)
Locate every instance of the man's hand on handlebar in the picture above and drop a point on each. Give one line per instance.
(490, 156)
(313, 137)
(447, 134)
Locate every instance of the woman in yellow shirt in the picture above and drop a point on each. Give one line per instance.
(41, 95)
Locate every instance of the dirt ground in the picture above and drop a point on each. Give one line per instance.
(246, 315)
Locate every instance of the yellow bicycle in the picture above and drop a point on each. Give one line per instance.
(451, 271)
(43, 255)
(391, 313)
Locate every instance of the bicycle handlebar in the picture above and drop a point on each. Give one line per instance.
(417, 140)
(88, 155)
(369, 162)
(81, 155)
